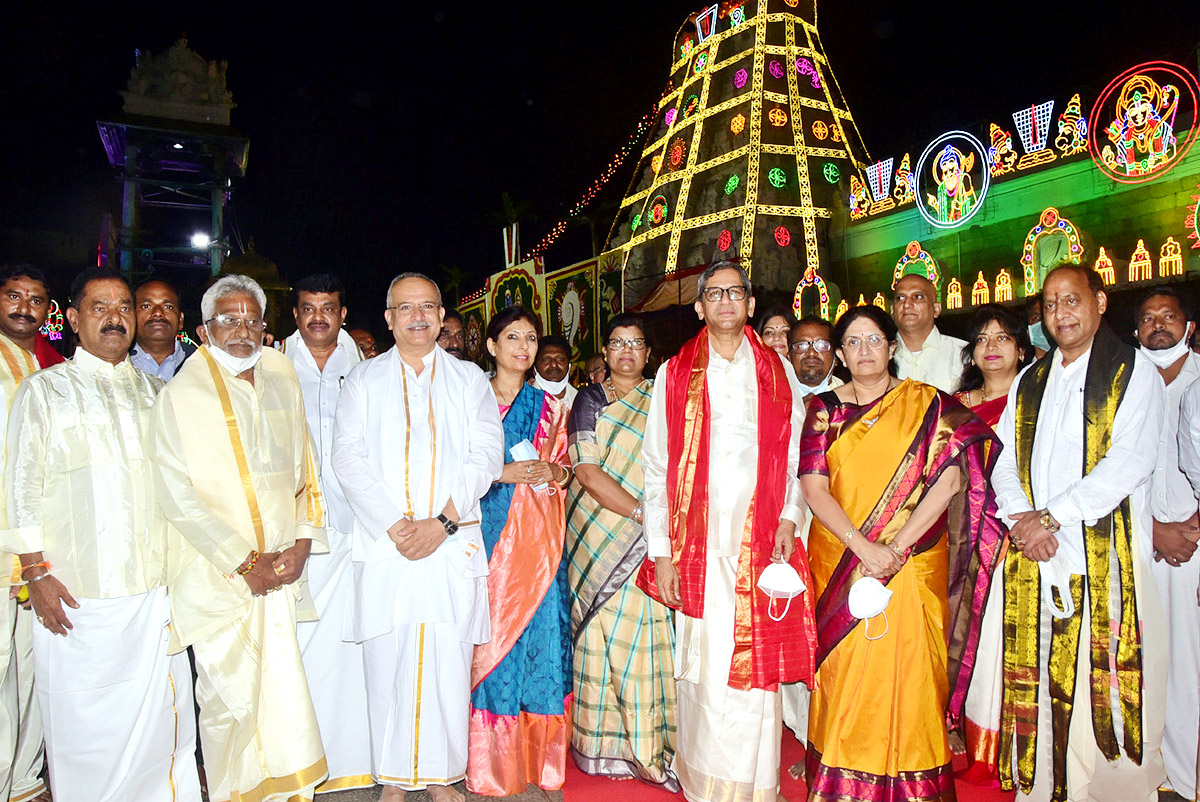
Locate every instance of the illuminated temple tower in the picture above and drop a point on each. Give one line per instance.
(751, 154)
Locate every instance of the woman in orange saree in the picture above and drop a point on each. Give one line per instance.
(896, 474)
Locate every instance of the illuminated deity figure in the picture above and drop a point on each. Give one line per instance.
(860, 199)
(1072, 129)
(1143, 131)
(1001, 155)
(903, 191)
(955, 195)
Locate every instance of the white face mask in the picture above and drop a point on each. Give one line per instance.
(1169, 356)
(1057, 577)
(780, 581)
(868, 598)
(234, 364)
(554, 388)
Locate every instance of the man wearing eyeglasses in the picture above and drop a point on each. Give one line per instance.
(811, 353)
(239, 484)
(924, 353)
(722, 502)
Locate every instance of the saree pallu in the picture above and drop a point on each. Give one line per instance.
(877, 721)
(521, 678)
(623, 719)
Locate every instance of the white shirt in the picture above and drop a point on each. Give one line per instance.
(320, 389)
(392, 464)
(1056, 475)
(146, 363)
(1189, 436)
(939, 362)
(1172, 498)
(733, 454)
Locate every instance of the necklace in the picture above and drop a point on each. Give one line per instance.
(611, 388)
(500, 396)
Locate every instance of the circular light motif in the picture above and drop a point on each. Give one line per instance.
(701, 62)
(724, 240)
(832, 173)
(693, 103)
(775, 68)
(782, 237)
(669, 117)
(656, 162)
(737, 124)
(676, 154)
(732, 184)
(820, 130)
(792, 3)
(778, 117)
(658, 211)
(739, 78)
(952, 179)
(686, 49)
(777, 177)
(1150, 114)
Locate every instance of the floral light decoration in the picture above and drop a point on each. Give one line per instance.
(1104, 267)
(811, 279)
(1170, 259)
(736, 17)
(739, 78)
(782, 236)
(777, 177)
(677, 154)
(635, 221)
(831, 172)
(656, 163)
(1049, 223)
(775, 68)
(737, 124)
(805, 67)
(732, 184)
(724, 240)
(1140, 268)
(689, 108)
(820, 130)
(658, 211)
(669, 117)
(778, 117)
(700, 63)
(52, 329)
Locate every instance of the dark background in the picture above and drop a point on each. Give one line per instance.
(382, 140)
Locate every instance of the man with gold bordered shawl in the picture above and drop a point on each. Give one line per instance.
(726, 402)
(1084, 651)
(240, 487)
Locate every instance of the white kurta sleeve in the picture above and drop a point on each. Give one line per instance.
(215, 540)
(310, 501)
(1130, 458)
(794, 506)
(365, 492)
(654, 464)
(1189, 436)
(26, 436)
(1006, 481)
(485, 447)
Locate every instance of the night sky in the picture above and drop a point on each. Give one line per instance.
(382, 140)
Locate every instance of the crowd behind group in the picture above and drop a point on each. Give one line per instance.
(399, 570)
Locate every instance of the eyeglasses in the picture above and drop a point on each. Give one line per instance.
(820, 346)
(714, 294)
(617, 344)
(872, 341)
(427, 308)
(230, 323)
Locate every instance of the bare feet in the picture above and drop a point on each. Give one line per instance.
(392, 794)
(957, 745)
(796, 770)
(445, 793)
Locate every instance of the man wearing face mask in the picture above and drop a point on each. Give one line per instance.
(239, 484)
(1164, 326)
(552, 369)
(83, 519)
(1037, 332)
(1084, 650)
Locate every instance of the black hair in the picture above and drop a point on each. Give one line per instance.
(554, 341)
(760, 320)
(85, 277)
(873, 313)
(323, 283)
(154, 280)
(505, 318)
(972, 377)
(24, 270)
(621, 321)
(812, 320)
(1169, 292)
(452, 314)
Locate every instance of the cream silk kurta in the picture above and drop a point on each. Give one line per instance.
(236, 473)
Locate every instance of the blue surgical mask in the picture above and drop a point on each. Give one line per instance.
(1037, 336)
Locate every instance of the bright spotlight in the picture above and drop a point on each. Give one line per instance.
(201, 241)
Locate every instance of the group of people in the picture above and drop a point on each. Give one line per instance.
(400, 570)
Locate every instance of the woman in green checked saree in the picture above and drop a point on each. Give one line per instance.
(623, 721)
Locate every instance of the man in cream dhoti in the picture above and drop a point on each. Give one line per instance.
(1163, 329)
(417, 444)
(238, 483)
(82, 515)
(1084, 652)
(727, 402)
(24, 306)
(323, 354)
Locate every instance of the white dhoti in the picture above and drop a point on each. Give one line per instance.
(334, 668)
(419, 686)
(27, 779)
(116, 709)
(729, 740)
(1090, 777)
(1177, 590)
(8, 695)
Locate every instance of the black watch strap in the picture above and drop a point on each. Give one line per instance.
(451, 526)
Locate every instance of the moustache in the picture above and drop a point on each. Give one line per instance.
(157, 321)
(114, 328)
(317, 324)
(19, 316)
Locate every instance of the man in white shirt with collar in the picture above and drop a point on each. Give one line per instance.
(157, 349)
(1084, 650)
(924, 353)
(1164, 329)
(811, 353)
(323, 353)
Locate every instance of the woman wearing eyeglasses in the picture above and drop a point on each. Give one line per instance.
(521, 678)
(880, 462)
(624, 714)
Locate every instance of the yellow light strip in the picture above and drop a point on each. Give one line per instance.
(812, 256)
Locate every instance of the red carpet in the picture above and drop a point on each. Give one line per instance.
(580, 787)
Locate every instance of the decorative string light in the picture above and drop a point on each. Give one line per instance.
(1050, 222)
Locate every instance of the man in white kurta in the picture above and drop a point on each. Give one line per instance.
(924, 353)
(729, 739)
(323, 353)
(116, 709)
(1163, 331)
(1050, 528)
(239, 485)
(417, 443)
(24, 306)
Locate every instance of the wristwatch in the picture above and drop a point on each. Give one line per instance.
(1047, 521)
(451, 526)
